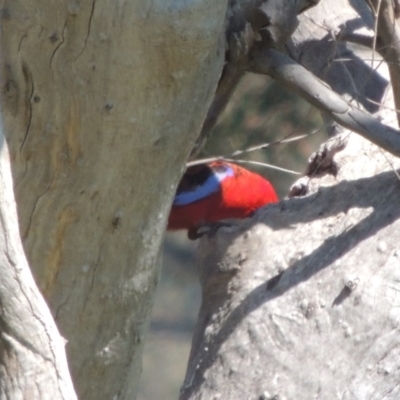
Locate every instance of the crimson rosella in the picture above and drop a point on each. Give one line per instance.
(216, 191)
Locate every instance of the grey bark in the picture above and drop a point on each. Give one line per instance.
(301, 301)
(33, 362)
(102, 102)
(388, 33)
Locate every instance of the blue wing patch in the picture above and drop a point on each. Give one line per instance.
(211, 185)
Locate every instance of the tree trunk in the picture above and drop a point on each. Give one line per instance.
(102, 102)
(33, 364)
(301, 301)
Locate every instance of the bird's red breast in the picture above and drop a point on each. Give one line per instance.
(216, 191)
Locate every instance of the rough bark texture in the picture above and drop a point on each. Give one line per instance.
(317, 320)
(33, 363)
(102, 103)
(301, 302)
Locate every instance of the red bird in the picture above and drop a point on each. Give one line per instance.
(216, 191)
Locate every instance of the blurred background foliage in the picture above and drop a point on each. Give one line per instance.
(260, 111)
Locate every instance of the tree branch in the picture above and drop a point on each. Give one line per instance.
(286, 293)
(33, 362)
(274, 21)
(389, 35)
(301, 81)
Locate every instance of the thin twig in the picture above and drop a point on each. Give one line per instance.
(254, 148)
(375, 37)
(274, 143)
(266, 165)
(382, 105)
